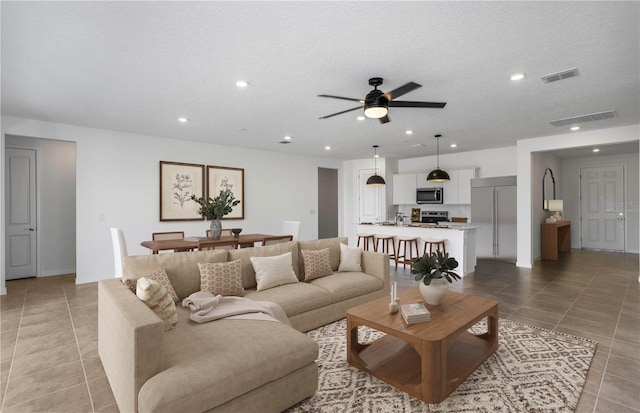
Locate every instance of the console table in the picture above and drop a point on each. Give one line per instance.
(555, 237)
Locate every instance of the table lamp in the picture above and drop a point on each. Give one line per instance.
(555, 205)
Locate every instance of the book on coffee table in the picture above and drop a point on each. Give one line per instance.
(415, 313)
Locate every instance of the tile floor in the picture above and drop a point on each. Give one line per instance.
(49, 360)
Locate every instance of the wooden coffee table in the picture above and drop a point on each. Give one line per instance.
(427, 360)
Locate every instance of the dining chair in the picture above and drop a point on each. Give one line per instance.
(276, 239)
(163, 236)
(291, 227)
(119, 250)
(217, 245)
(225, 233)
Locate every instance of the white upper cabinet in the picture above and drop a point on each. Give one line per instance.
(458, 190)
(464, 185)
(404, 189)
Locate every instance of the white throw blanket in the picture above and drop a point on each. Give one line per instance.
(206, 306)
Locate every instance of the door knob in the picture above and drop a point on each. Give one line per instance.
(29, 229)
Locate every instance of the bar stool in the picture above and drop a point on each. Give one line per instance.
(430, 242)
(365, 241)
(385, 238)
(406, 245)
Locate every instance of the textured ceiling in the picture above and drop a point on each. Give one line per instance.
(138, 66)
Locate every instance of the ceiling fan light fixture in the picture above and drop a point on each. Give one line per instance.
(375, 179)
(375, 111)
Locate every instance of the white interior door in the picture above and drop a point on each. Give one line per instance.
(369, 198)
(20, 225)
(602, 207)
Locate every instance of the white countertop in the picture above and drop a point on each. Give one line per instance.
(447, 225)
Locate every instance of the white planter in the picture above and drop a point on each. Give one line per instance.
(434, 293)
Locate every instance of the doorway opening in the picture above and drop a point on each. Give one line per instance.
(40, 207)
(327, 203)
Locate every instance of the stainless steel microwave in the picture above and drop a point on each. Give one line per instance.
(429, 196)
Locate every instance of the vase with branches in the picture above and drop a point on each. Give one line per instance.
(215, 209)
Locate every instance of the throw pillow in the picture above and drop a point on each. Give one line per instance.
(349, 258)
(316, 263)
(163, 279)
(273, 271)
(224, 278)
(158, 299)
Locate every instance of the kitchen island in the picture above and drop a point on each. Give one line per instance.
(460, 240)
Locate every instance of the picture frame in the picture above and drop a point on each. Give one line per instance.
(415, 214)
(219, 177)
(178, 181)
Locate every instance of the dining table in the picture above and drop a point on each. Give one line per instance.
(244, 240)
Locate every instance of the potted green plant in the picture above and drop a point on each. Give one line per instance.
(433, 269)
(216, 208)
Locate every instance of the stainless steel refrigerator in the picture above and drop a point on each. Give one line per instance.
(494, 209)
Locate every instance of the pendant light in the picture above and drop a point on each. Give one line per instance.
(375, 179)
(438, 175)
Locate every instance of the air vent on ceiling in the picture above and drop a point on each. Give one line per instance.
(565, 74)
(584, 118)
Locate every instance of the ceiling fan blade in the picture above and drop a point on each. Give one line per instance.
(384, 119)
(396, 93)
(343, 98)
(405, 104)
(340, 113)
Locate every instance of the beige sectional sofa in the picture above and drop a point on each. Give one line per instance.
(226, 365)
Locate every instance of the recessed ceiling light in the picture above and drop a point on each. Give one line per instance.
(517, 76)
(596, 149)
(183, 120)
(575, 128)
(409, 132)
(361, 118)
(327, 148)
(242, 83)
(454, 145)
(287, 138)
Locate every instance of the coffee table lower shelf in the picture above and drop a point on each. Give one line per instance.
(396, 362)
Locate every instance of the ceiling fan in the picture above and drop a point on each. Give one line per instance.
(376, 104)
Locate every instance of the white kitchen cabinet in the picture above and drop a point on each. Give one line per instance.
(421, 182)
(458, 190)
(404, 189)
(450, 189)
(464, 185)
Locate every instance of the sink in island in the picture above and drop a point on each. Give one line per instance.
(460, 239)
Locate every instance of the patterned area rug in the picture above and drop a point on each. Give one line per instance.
(533, 370)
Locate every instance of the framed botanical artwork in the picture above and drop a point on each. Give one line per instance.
(415, 214)
(220, 178)
(178, 181)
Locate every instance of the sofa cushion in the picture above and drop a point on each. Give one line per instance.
(181, 267)
(294, 298)
(350, 258)
(273, 271)
(334, 250)
(218, 361)
(245, 254)
(317, 263)
(345, 285)
(224, 278)
(158, 299)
